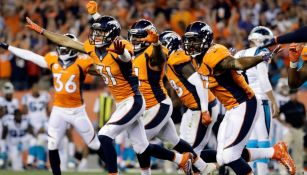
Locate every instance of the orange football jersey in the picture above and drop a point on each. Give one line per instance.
(67, 80)
(118, 75)
(229, 87)
(185, 90)
(150, 81)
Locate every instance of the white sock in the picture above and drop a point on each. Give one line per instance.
(71, 149)
(200, 164)
(82, 164)
(260, 153)
(146, 171)
(263, 168)
(178, 158)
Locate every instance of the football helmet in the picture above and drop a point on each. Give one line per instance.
(139, 30)
(260, 36)
(171, 40)
(66, 53)
(103, 31)
(197, 38)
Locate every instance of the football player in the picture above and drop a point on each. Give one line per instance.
(68, 69)
(16, 132)
(8, 101)
(196, 125)
(149, 66)
(220, 67)
(258, 79)
(112, 59)
(35, 105)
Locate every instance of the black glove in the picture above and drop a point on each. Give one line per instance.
(4, 45)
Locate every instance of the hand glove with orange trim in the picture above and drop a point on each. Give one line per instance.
(31, 25)
(118, 48)
(206, 118)
(295, 51)
(91, 7)
(152, 37)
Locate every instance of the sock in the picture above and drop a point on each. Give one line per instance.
(260, 153)
(161, 152)
(262, 164)
(71, 149)
(252, 144)
(82, 164)
(240, 167)
(200, 164)
(101, 154)
(109, 153)
(55, 162)
(144, 158)
(178, 157)
(146, 171)
(183, 146)
(208, 155)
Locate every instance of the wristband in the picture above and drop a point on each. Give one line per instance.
(293, 64)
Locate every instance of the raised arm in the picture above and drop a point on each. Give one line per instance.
(297, 36)
(157, 57)
(296, 76)
(245, 62)
(26, 55)
(55, 37)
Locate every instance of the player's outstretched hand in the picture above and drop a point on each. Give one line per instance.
(295, 51)
(269, 55)
(4, 45)
(31, 25)
(118, 48)
(91, 7)
(152, 37)
(206, 118)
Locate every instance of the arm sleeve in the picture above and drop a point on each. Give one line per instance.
(263, 77)
(126, 56)
(201, 91)
(28, 55)
(297, 36)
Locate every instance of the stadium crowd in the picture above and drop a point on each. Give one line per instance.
(231, 21)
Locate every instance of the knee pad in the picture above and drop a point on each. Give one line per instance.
(94, 144)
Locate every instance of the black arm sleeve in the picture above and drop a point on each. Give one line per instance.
(298, 36)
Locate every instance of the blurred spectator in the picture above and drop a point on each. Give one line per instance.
(295, 117)
(5, 66)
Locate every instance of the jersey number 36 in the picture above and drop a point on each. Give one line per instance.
(70, 86)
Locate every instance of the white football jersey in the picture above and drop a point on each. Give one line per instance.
(17, 132)
(257, 76)
(9, 108)
(37, 112)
